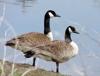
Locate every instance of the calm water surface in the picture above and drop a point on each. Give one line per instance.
(21, 16)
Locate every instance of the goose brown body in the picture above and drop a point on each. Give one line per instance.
(32, 39)
(57, 51)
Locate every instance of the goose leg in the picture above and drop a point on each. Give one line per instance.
(34, 59)
(57, 67)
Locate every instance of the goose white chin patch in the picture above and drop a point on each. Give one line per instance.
(50, 35)
(70, 30)
(50, 14)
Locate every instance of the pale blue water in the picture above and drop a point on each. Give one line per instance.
(22, 16)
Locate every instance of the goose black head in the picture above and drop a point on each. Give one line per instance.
(51, 13)
(72, 29)
(69, 30)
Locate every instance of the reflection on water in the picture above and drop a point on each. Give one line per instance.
(26, 3)
(23, 3)
(29, 3)
(8, 2)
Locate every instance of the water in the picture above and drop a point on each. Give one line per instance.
(21, 16)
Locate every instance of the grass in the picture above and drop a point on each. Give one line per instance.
(0, 71)
(22, 68)
(17, 74)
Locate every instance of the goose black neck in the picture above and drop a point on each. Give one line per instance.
(46, 24)
(68, 36)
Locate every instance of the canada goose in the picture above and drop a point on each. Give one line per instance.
(34, 38)
(59, 51)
